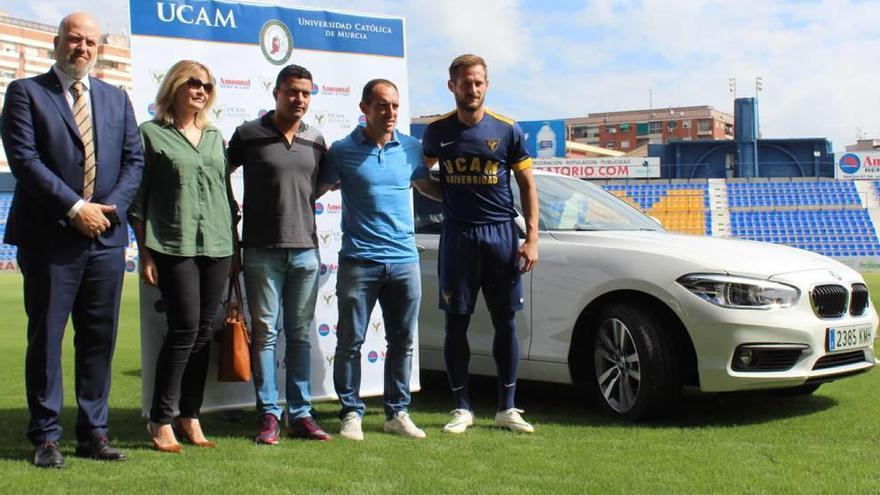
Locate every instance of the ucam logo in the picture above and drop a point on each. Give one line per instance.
(189, 14)
(327, 238)
(314, 89)
(373, 356)
(319, 208)
(276, 42)
(218, 111)
(362, 120)
(323, 329)
(151, 109)
(850, 163)
(267, 83)
(327, 298)
(262, 112)
(156, 75)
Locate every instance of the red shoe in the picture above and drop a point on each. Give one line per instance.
(307, 428)
(270, 430)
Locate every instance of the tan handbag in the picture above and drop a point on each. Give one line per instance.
(234, 364)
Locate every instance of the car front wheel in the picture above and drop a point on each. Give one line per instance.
(635, 364)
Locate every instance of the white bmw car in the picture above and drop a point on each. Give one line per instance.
(635, 313)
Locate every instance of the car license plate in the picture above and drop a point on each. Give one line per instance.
(839, 339)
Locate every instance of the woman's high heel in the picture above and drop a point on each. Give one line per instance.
(182, 433)
(174, 448)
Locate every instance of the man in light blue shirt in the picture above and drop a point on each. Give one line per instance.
(375, 166)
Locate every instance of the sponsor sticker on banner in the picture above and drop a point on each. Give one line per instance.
(235, 83)
(8, 266)
(329, 268)
(602, 168)
(858, 166)
(323, 329)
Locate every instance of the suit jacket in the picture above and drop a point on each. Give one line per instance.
(46, 156)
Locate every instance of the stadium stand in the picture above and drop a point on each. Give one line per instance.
(792, 194)
(824, 216)
(833, 233)
(680, 206)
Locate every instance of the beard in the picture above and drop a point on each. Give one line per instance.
(76, 71)
(469, 105)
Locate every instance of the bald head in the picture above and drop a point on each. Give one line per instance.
(76, 45)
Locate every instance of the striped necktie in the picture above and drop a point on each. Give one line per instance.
(83, 119)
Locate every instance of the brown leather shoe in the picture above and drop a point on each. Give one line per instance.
(307, 428)
(47, 455)
(97, 446)
(181, 432)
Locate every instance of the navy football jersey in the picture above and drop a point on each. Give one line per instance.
(476, 164)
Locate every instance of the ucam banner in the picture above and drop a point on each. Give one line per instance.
(602, 168)
(865, 165)
(245, 45)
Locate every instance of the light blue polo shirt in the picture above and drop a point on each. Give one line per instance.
(377, 217)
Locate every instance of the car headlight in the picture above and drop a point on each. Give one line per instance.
(740, 292)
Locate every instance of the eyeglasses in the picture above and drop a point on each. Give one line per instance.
(198, 83)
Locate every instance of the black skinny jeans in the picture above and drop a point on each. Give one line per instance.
(192, 289)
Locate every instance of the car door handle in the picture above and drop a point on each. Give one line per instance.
(421, 248)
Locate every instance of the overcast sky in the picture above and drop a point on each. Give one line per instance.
(556, 59)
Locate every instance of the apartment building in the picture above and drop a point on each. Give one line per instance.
(628, 130)
(864, 145)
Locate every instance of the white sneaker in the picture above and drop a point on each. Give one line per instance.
(351, 427)
(461, 419)
(511, 420)
(402, 424)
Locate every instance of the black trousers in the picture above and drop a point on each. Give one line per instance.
(192, 289)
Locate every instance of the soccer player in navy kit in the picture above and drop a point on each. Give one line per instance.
(479, 248)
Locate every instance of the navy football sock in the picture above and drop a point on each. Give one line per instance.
(505, 349)
(457, 354)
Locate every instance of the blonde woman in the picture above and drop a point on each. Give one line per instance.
(183, 220)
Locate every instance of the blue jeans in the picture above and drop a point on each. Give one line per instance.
(398, 288)
(286, 281)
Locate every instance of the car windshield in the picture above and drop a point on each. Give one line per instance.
(573, 204)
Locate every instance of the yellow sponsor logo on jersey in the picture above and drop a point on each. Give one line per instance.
(492, 144)
(471, 171)
(477, 165)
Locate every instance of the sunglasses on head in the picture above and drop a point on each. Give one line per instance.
(198, 83)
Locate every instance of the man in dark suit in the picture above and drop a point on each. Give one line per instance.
(73, 146)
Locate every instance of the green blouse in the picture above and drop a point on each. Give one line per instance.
(184, 199)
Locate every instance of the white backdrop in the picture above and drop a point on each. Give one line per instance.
(245, 45)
